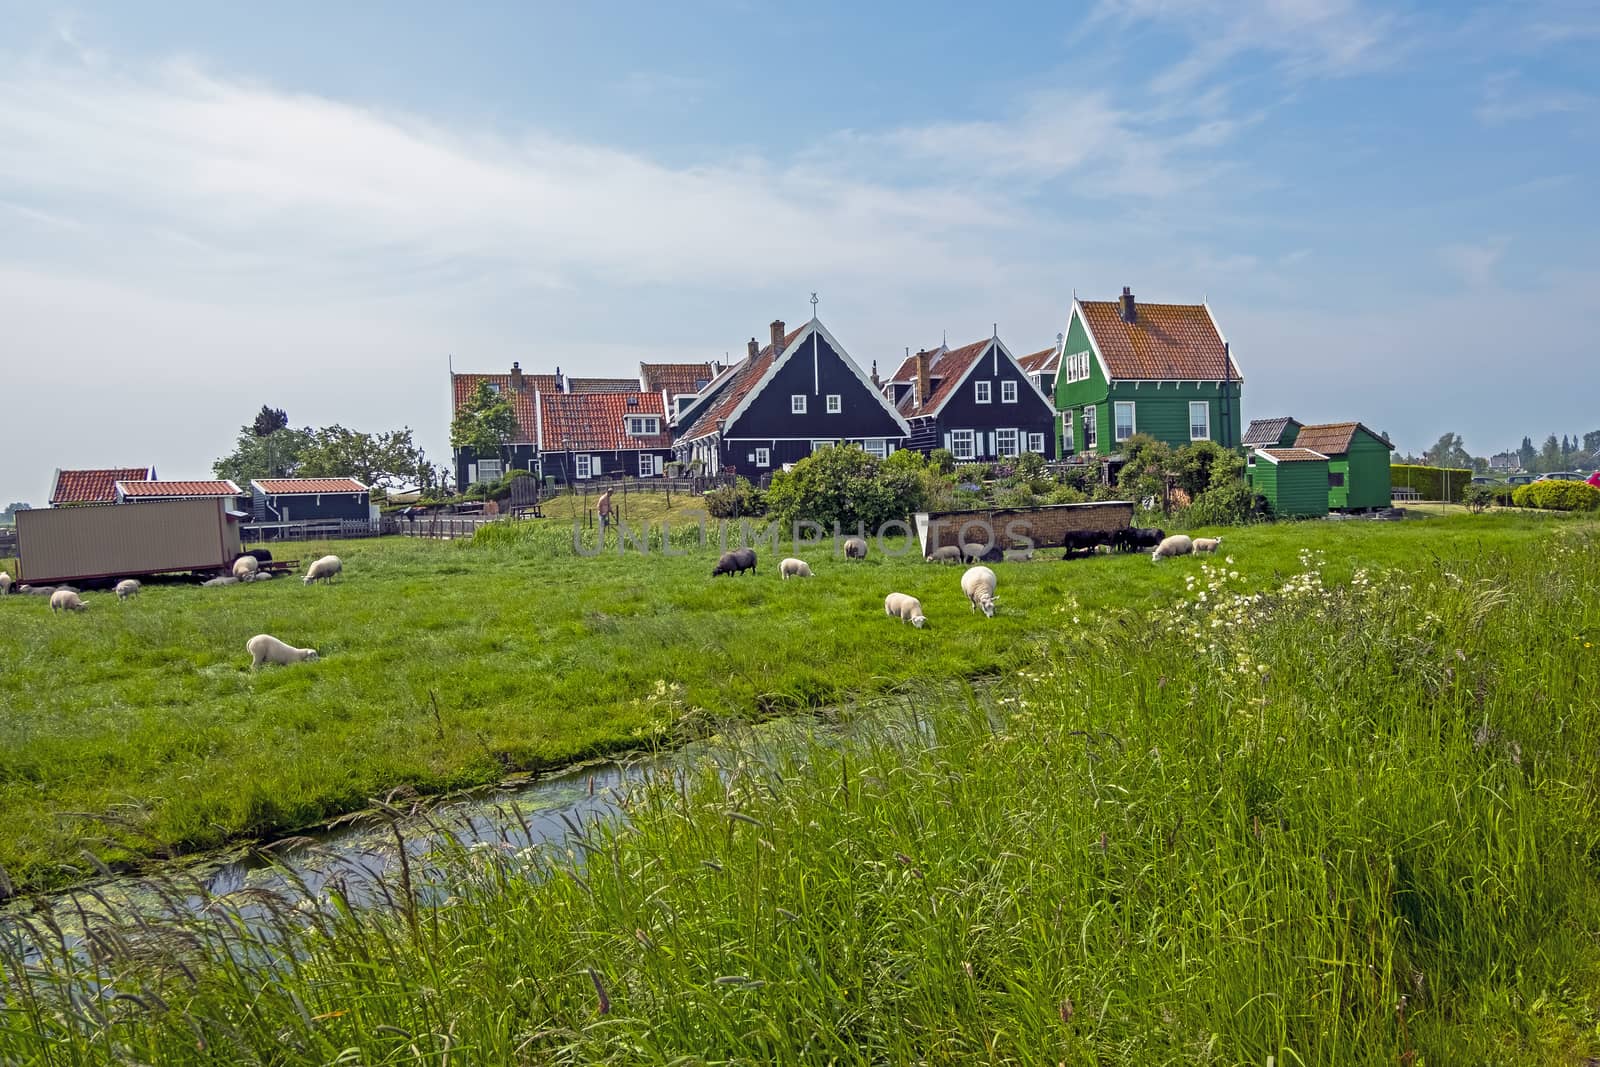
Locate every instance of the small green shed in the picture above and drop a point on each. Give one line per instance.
(1271, 433)
(1358, 464)
(1294, 480)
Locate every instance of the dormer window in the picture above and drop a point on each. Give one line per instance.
(494, 387)
(633, 401)
(643, 425)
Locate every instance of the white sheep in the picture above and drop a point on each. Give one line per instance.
(905, 608)
(225, 580)
(1176, 545)
(127, 587)
(66, 600)
(245, 568)
(978, 583)
(35, 590)
(855, 548)
(1206, 544)
(1018, 555)
(794, 568)
(264, 648)
(324, 569)
(5, 583)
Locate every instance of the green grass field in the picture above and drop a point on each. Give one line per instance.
(136, 730)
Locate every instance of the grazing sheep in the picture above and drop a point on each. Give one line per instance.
(245, 568)
(127, 587)
(5, 583)
(972, 552)
(225, 580)
(36, 590)
(736, 562)
(263, 576)
(905, 608)
(1176, 545)
(1018, 555)
(855, 548)
(978, 583)
(947, 554)
(324, 569)
(264, 648)
(66, 600)
(794, 568)
(1206, 544)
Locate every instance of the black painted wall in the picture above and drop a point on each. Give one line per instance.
(861, 414)
(1031, 413)
(298, 507)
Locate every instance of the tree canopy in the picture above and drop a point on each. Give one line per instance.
(267, 447)
(485, 423)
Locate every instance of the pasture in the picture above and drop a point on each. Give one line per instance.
(136, 730)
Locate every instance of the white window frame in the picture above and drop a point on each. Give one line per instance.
(981, 393)
(1004, 440)
(489, 470)
(1068, 445)
(494, 387)
(580, 465)
(816, 444)
(647, 464)
(966, 438)
(1205, 406)
(797, 403)
(1091, 429)
(1076, 366)
(835, 404)
(1008, 392)
(876, 446)
(1116, 421)
(763, 457)
(1036, 443)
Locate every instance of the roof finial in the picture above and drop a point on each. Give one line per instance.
(944, 338)
(813, 305)
(996, 330)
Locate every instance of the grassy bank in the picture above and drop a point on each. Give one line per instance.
(135, 729)
(1327, 814)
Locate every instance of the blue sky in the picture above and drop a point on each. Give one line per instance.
(1390, 207)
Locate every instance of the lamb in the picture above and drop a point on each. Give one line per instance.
(225, 580)
(1018, 555)
(324, 569)
(736, 562)
(1176, 545)
(5, 583)
(855, 548)
(905, 608)
(794, 568)
(947, 554)
(36, 590)
(66, 600)
(973, 552)
(245, 568)
(1206, 544)
(127, 587)
(978, 583)
(264, 648)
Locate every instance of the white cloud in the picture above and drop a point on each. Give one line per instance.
(1474, 263)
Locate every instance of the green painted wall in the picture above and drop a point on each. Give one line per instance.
(1367, 480)
(1292, 488)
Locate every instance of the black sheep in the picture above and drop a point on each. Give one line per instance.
(735, 562)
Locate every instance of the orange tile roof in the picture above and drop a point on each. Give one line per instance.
(744, 378)
(947, 366)
(290, 486)
(150, 488)
(462, 386)
(675, 378)
(1331, 438)
(584, 422)
(907, 371)
(1041, 362)
(1166, 342)
(94, 486)
(1292, 455)
(602, 385)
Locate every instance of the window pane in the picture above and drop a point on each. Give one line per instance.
(1124, 419)
(833, 404)
(797, 404)
(1199, 420)
(1008, 392)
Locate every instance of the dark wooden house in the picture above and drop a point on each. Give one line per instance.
(584, 436)
(521, 452)
(976, 400)
(309, 499)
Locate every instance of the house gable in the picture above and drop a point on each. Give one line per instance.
(814, 365)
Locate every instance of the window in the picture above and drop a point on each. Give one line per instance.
(815, 445)
(835, 405)
(488, 470)
(1008, 392)
(1076, 366)
(763, 457)
(1068, 445)
(961, 444)
(1036, 443)
(982, 394)
(797, 404)
(647, 464)
(1005, 443)
(1335, 479)
(1090, 435)
(876, 446)
(640, 426)
(494, 387)
(1199, 420)
(582, 466)
(1122, 420)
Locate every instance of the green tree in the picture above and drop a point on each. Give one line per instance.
(275, 455)
(844, 485)
(1144, 476)
(485, 423)
(1591, 442)
(1448, 451)
(386, 460)
(9, 515)
(269, 421)
(1550, 456)
(1526, 454)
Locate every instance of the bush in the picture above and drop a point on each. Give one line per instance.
(1082, 477)
(1230, 504)
(1478, 497)
(1502, 494)
(908, 459)
(942, 460)
(844, 485)
(1434, 483)
(1065, 494)
(1557, 496)
(1203, 465)
(976, 473)
(736, 500)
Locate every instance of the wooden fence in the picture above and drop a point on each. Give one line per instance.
(308, 530)
(438, 527)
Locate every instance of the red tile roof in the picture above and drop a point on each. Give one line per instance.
(1292, 455)
(94, 486)
(1165, 342)
(947, 366)
(744, 378)
(1041, 362)
(907, 371)
(596, 422)
(291, 486)
(1331, 438)
(675, 378)
(149, 488)
(602, 385)
(462, 386)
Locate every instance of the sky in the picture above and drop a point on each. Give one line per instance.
(205, 208)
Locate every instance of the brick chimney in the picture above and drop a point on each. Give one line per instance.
(777, 336)
(561, 381)
(922, 377)
(517, 385)
(755, 349)
(1129, 312)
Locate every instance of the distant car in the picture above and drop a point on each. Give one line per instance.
(1594, 479)
(1481, 480)
(1519, 479)
(1560, 476)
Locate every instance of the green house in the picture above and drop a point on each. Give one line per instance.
(1158, 369)
(1358, 464)
(1294, 480)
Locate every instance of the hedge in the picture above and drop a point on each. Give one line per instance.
(1557, 496)
(1431, 482)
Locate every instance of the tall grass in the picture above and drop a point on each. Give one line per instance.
(1345, 816)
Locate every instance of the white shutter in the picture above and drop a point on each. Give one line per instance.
(594, 466)
(947, 447)
(658, 464)
(991, 442)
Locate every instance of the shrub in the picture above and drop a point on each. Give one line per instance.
(1478, 497)
(1229, 504)
(942, 460)
(973, 472)
(844, 485)
(1082, 477)
(1434, 483)
(733, 501)
(1065, 494)
(1203, 465)
(1557, 496)
(908, 459)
